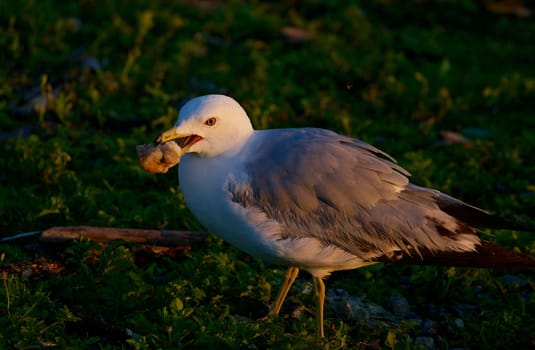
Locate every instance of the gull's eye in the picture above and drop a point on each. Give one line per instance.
(210, 121)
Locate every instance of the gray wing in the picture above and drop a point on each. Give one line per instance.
(346, 193)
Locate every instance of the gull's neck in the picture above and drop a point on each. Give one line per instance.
(238, 144)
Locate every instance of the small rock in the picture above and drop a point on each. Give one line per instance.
(459, 323)
(399, 306)
(511, 280)
(428, 342)
(298, 312)
(348, 307)
(132, 335)
(432, 308)
(430, 327)
(414, 322)
(340, 292)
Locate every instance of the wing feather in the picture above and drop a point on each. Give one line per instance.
(347, 193)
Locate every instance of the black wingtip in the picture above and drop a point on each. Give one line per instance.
(476, 217)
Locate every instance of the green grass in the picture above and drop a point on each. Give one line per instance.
(82, 83)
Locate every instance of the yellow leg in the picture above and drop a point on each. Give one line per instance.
(319, 289)
(289, 279)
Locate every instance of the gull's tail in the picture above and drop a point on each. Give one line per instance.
(486, 255)
(475, 217)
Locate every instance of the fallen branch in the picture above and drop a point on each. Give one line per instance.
(166, 238)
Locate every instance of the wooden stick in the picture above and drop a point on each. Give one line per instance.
(166, 238)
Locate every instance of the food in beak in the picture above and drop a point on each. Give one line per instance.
(158, 159)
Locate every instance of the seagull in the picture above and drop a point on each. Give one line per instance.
(315, 200)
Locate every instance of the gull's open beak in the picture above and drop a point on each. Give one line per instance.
(184, 140)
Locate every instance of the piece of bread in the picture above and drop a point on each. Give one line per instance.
(158, 159)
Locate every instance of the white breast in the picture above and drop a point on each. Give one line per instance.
(203, 183)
